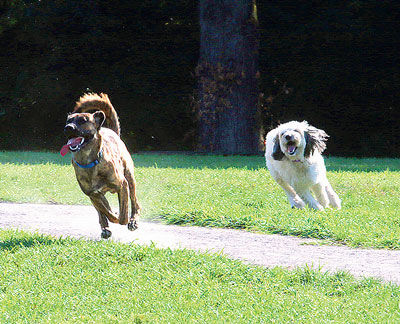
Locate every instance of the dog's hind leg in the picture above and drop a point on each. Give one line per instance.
(123, 197)
(135, 208)
(334, 199)
(320, 194)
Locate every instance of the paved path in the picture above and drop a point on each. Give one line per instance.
(265, 250)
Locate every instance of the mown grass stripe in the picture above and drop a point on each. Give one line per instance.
(234, 192)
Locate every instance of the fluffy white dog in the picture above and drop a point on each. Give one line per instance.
(293, 155)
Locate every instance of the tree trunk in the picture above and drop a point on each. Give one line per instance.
(228, 77)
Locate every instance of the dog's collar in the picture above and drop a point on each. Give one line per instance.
(90, 165)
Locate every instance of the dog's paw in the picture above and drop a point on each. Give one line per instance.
(105, 233)
(298, 203)
(132, 225)
(337, 203)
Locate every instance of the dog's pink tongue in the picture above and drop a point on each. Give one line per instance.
(291, 148)
(71, 142)
(64, 150)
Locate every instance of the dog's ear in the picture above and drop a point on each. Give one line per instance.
(315, 140)
(99, 118)
(277, 153)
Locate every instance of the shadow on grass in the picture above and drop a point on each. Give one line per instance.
(28, 157)
(191, 160)
(362, 164)
(256, 162)
(17, 240)
(182, 160)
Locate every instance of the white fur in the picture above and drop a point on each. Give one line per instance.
(300, 174)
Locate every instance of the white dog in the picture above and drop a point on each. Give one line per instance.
(293, 155)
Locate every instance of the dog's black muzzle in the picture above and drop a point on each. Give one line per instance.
(70, 130)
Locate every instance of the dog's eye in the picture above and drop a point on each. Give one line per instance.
(80, 120)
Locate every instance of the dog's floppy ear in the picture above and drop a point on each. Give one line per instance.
(315, 140)
(99, 118)
(277, 153)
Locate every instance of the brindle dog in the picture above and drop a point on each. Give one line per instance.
(101, 160)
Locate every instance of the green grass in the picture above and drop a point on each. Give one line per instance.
(43, 279)
(232, 191)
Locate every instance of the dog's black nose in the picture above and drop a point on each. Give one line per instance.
(289, 137)
(69, 129)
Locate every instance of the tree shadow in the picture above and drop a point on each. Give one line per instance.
(33, 158)
(194, 160)
(175, 160)
(340, 164)
(256, 162)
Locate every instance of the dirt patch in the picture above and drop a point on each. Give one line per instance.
(260, 249)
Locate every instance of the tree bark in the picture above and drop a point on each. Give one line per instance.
(227, 75)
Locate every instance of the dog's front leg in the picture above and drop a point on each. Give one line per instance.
(105, 232)
(311, 201)
(123, 197)
(294, 199)
(101, 204)
(104, 210)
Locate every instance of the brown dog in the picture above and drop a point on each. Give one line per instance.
(101, 160)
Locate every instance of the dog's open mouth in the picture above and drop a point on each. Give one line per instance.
(291, 148)
(74, 144)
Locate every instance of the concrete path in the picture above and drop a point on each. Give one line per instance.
(260, 249)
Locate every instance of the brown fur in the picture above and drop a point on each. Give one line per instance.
(115, 171)
(92, 101)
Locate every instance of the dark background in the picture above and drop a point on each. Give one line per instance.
(333, 63)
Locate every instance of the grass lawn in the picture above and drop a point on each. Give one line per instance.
(43, 280)
(233, 191)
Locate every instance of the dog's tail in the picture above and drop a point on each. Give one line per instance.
(91, 102)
